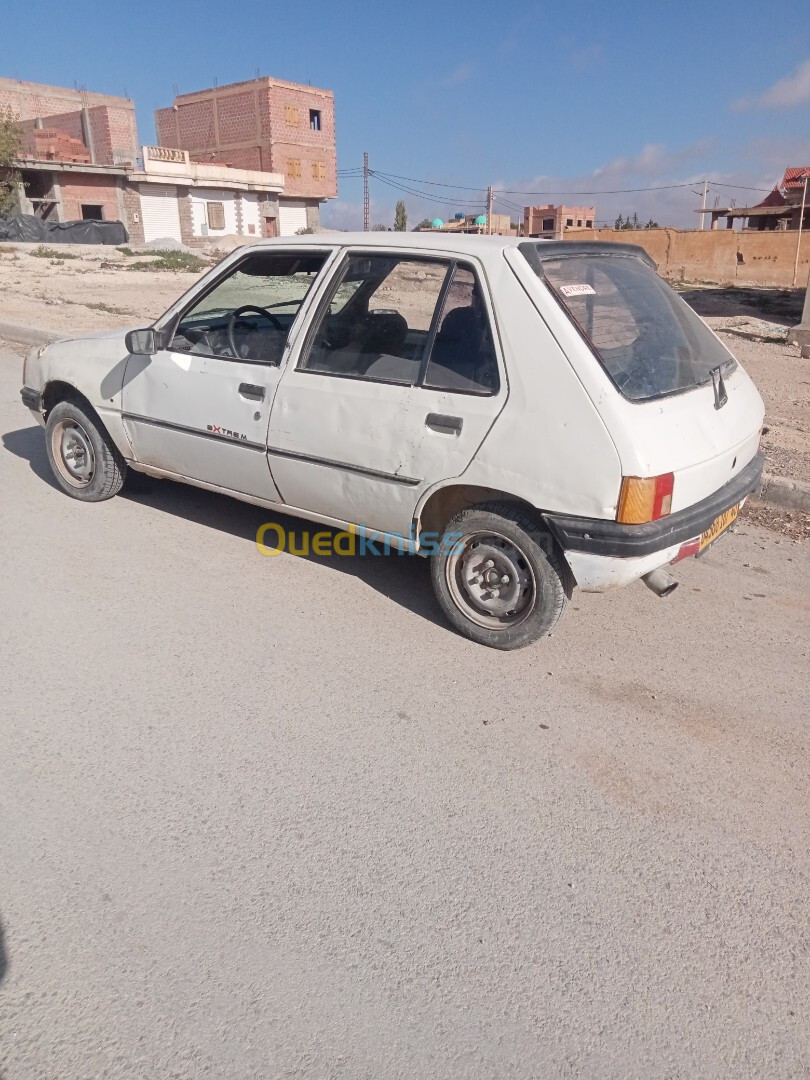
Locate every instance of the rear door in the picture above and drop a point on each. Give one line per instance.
(199, 409)
(394, 388)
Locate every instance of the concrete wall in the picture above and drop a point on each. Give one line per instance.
(724, 256)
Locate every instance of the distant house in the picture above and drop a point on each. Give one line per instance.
(475, 224)
(550, 222)
(780, 210)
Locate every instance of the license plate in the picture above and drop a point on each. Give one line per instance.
(717, 527)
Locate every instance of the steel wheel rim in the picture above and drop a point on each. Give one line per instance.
(73, 453)
(475, 574)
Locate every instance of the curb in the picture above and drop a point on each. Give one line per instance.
(774, 490)
(784, 493)
(27, 335)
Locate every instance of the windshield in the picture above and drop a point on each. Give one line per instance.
(650, 342)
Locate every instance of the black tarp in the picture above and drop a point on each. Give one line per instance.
(27, 229)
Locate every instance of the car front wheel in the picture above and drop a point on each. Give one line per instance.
(83, 457)
(499, 577)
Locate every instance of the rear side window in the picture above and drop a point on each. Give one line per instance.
(650, 342)
(463, 354)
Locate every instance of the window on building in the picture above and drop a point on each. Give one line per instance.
(589, 224)
(215, 212)
(569, 222)
(92, 212)
(548, 224)
(315, 119)
(318, 170)
(579, 223)
(291, 115)
(293, 169)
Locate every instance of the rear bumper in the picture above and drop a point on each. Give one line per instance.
(595, 536)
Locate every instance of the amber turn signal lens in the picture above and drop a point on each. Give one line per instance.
(645, 498)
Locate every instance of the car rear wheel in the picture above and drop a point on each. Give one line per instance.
(499, 577)
(84, 460)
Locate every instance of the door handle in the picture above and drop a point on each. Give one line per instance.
(250, 390)
(445, 424)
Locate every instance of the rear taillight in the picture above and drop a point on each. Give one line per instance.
(645, 498)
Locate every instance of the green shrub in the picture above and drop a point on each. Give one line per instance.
(52, 253)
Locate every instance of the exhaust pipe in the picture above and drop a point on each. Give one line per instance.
(661, 583)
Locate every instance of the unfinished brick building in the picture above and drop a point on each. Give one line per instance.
(266, 125)
(550, 222)
(72, 124)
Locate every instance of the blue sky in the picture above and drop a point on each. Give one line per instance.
(526, 96)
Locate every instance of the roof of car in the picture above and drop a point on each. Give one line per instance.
(427, 241)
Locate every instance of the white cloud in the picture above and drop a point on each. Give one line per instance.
(784, 94)
(671, 174)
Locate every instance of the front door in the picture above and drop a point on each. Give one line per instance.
(395, 387)
(199, 409)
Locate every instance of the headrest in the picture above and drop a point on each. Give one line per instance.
(459, 324)
(385, 332)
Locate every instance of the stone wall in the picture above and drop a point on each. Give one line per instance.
(724, 257)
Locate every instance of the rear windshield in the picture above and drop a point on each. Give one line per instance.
(648, 339)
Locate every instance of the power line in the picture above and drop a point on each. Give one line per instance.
(513, 191)
(740, 187)
(434, 183)
(425, 195)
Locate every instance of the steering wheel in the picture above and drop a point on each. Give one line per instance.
(273, 320)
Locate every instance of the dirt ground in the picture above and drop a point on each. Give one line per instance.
(96, 288)
(88, 287)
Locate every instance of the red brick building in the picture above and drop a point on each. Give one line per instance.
(100, 124)
(266, 125)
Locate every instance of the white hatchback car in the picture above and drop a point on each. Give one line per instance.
(533, 415)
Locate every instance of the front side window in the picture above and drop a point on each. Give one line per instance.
(650, 342)
(248, 315)
(406, 321)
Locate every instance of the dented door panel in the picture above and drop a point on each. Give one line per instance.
(185, 414)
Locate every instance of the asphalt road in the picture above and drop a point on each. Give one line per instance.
(270, 817)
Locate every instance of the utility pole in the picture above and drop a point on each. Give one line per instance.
(366, 223)
(489, 210)
(703, 204)
(799, 237)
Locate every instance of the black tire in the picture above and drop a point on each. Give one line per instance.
(85, 462)
(518, 590)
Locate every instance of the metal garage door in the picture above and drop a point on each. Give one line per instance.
(292, 216)
(160, 212)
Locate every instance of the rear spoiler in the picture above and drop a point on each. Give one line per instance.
(537, 252)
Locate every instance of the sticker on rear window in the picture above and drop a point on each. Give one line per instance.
(577, 290)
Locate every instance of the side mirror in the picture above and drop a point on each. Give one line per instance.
(146, 342)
